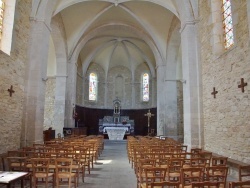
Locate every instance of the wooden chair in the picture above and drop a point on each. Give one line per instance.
(206, 184)
(40, 172)
(165, 184)
(191, 175)
(141, 166)
(77, 166)
(175, 165)
(217, 174)
(240, 184)
(64, 171)
(152, 174)
(244, 172)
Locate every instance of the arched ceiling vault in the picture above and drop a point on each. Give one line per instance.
(117, 32)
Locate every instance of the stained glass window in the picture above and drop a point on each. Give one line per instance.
(1, 17)
(92, 87)
(145, 87)
(227, 23)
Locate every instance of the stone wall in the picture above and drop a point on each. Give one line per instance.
(108, 89)
(12, 73)
(49, 107)
(226, 117)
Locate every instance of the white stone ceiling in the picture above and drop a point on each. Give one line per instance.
(112, 32)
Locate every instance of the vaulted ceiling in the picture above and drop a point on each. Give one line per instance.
(119, 32)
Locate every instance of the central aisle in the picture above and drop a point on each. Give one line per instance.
(112, 169)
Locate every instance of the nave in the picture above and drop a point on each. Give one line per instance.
(112, 169)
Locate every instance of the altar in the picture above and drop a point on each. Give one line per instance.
(116, 126)
(107, 123)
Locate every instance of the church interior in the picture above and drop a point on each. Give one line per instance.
(159, 69)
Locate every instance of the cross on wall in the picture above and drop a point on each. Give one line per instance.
(11, 90)
(214, 92)
(242, 85)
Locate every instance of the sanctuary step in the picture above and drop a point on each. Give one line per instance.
(116, 133)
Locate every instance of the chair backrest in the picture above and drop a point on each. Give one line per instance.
(198, 162)
(63, 165)
(196, 150)
(242, 184)
(40, 165)
(205, 184)
(190, 175)
(154, 174)
(165, 184)
(217, 174)
(244, 172)
(219, 161)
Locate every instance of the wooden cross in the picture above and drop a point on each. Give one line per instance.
(242, 85)
(214, 92)
(149, 115)
(11, 90)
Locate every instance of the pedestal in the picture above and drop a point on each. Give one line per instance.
(116, 133)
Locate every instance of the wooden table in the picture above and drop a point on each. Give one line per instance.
(8, 177)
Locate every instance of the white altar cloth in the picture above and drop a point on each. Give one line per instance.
(115, 133)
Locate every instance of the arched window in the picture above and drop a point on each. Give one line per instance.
(7, 16)
(145, 87)
(227, 23)
(92, 87)
(1, 18)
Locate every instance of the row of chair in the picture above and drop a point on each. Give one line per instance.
(58, 161)
(167, 163)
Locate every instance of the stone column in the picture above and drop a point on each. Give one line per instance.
(217, 31)
(60, 95)
(133, 93)
(153, 91)
(248, 16)
(192, 107)
(70, 93)
(161, 103)
(106, 93)
(171, 129)
(36, 73)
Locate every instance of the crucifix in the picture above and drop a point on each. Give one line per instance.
(149, 115)
(11, 90)
(242, 85)
(214, 92)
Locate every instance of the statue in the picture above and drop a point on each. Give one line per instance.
(149, 115)
(117, 110)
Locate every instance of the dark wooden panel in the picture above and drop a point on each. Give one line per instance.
(89, 117)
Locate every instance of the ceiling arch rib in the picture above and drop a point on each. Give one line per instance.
(129, 57)
(147, 60)
(91, 56)
(84, 29)
(94, 33)
(147, 29)
(168, 4)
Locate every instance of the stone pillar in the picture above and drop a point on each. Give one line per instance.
(60, 95)
(193, 126)
(161, 92)
(36, 73)
(106, 93)
(70, 92)
(248, 16)
(171, 129)
(217, 31)
(153, 91)
(133, 93)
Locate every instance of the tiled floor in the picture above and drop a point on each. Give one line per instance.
(112, 169)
